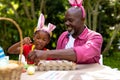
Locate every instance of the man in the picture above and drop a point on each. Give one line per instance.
(78, 43)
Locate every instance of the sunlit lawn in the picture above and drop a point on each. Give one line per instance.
(113, 60)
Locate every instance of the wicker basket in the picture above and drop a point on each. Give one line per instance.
(14, 69)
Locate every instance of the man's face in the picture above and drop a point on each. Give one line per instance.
(73, 21)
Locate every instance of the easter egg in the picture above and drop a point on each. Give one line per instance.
(31, 70)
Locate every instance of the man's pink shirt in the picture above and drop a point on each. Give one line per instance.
(87, 45)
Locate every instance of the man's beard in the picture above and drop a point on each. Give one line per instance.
(72, 32)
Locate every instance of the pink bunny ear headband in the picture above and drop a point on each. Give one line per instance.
(78, 3)
(40, 25)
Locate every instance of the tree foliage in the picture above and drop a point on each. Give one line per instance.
(101, 16)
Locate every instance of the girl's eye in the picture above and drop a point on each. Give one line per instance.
(44, 39)
(38, 38)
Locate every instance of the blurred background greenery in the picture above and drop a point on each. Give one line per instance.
(103, 16)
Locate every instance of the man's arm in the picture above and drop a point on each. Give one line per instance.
(65, 54)
(90, 51)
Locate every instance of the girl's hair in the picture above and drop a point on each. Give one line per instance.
(41, 30)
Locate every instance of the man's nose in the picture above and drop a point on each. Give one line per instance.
(67, 23)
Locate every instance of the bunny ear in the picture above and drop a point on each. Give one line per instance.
(72, 2)
(83, 12)
(51, 27)
(79, 2)
(41, 21)
(75, 2)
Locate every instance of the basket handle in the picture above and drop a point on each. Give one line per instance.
(20, 34)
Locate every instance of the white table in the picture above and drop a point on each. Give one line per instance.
(81, 69)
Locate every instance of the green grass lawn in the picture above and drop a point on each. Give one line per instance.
(112, 60)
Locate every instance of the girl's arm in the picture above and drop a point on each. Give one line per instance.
(15, 48)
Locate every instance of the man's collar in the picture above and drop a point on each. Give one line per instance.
(83, 34)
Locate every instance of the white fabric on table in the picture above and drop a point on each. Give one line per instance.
(105, 74)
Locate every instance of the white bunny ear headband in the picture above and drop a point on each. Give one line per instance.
(40, 25)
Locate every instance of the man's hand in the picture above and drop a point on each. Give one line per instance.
(37, 55)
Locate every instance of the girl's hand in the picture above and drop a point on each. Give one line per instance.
(27, 40)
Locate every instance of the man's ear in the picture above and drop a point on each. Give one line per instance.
(83, 19)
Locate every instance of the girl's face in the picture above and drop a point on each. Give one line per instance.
(41, 39)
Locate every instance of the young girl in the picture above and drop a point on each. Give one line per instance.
(41, 38)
